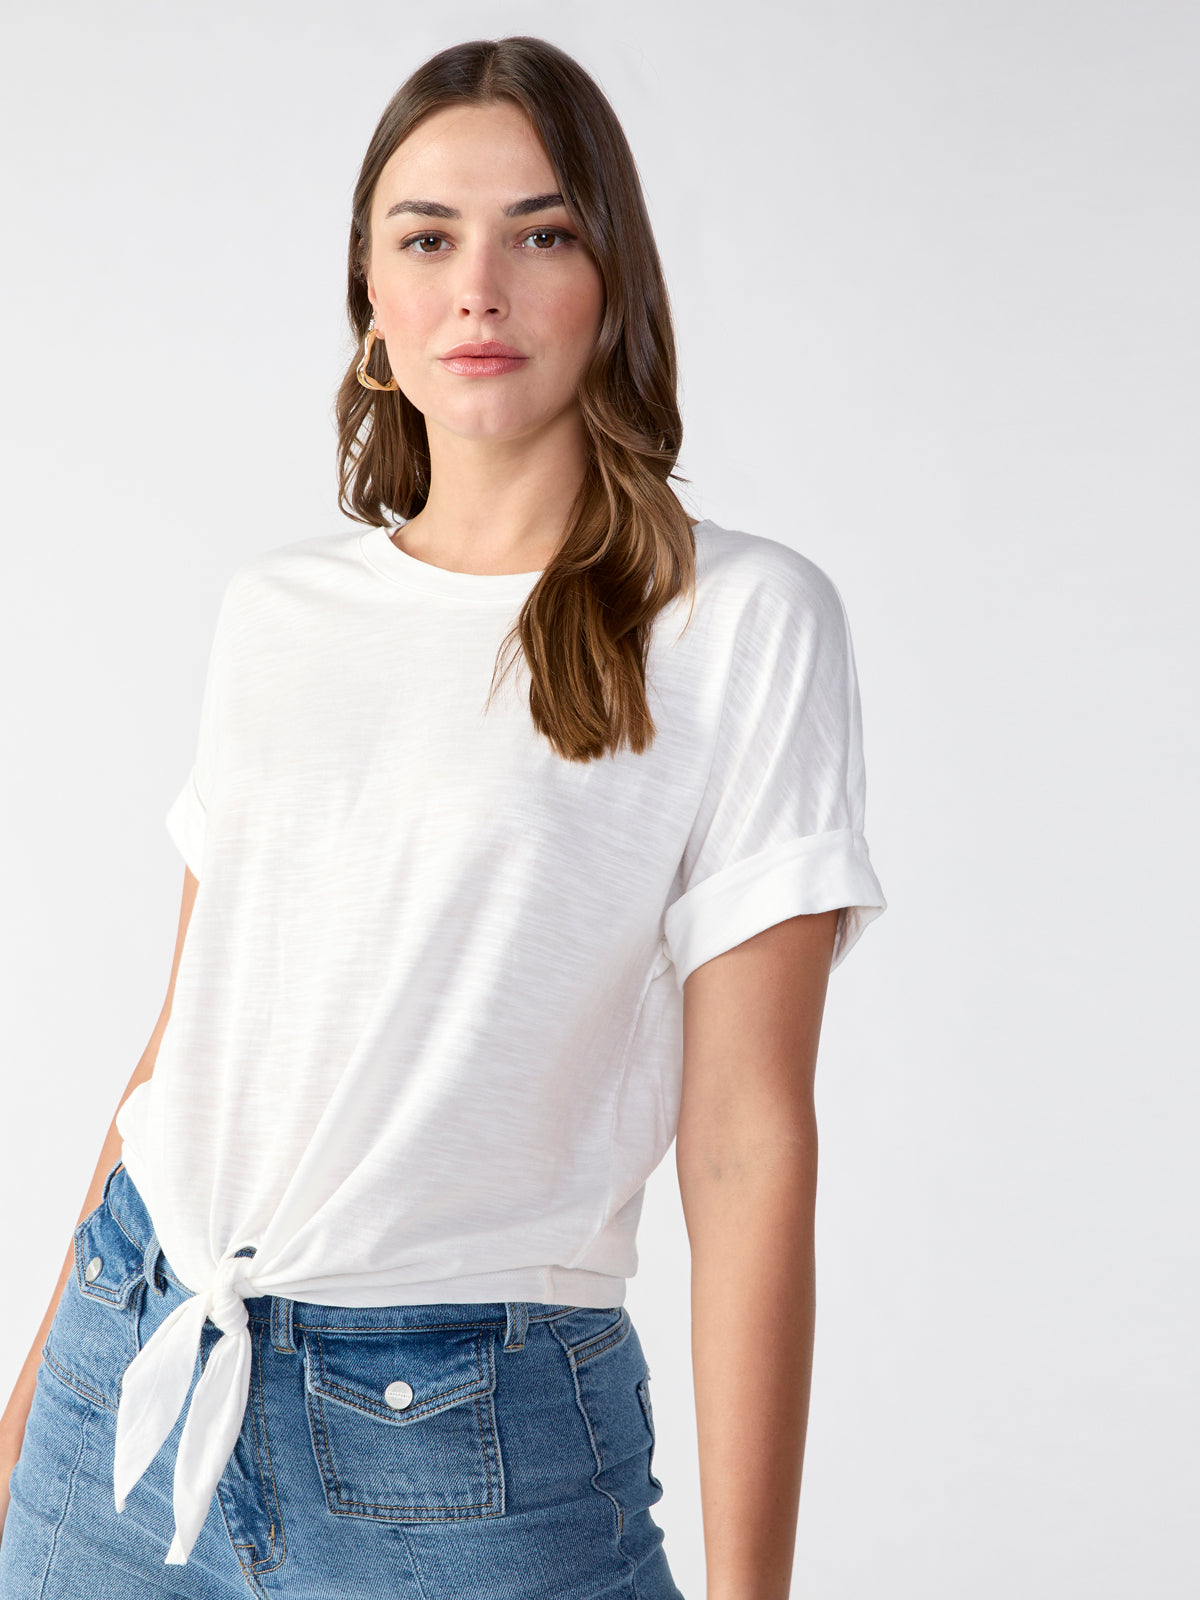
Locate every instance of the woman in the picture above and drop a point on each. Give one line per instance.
(465, 951)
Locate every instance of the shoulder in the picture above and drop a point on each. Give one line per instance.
(322, 563)
(752, 576)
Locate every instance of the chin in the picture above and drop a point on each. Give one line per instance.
(506, 425)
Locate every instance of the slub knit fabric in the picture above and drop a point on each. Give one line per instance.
(426, 1037)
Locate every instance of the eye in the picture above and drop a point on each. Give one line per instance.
(549, 233)
(422, 238)
(415, 244)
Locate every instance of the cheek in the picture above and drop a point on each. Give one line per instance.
(405, 313)
(576, 314)
(412, 328)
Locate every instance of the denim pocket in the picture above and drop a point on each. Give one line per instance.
(643, 1390)
(587, 1332)
(403, 1422)
(610, 1369)
(95, 1332)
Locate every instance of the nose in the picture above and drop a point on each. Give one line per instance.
(480, 287)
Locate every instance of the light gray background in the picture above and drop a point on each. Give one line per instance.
(934, 272)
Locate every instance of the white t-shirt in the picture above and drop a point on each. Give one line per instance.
(426, 1037)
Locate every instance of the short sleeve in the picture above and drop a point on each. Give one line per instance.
(187, 816)
(780, 828)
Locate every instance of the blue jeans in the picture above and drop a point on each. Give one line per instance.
(526, 1471)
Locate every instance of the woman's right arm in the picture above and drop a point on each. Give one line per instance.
(12, 1424)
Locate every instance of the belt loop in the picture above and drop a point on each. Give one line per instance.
(150, 1264)
(516, 1324)
(282, 1334)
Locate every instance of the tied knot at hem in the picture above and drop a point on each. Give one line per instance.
(154, 1389)
(224, 1299)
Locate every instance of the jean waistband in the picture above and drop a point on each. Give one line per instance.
(125, 1201)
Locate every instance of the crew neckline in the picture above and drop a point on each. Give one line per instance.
(381, 553)
(398, 566)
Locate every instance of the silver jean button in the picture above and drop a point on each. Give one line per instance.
(398, 1394)
(94, 1268)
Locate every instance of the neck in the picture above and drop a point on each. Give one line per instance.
(500, 504)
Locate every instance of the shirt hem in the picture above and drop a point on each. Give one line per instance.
(573, 1286)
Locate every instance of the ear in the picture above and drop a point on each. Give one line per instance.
(370, 284)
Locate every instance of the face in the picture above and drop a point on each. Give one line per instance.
(437, 281)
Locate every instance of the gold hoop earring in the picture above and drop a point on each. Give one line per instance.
(363, 377)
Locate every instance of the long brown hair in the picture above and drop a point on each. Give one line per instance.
(628, 548)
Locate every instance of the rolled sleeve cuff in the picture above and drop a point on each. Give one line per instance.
(185, 823)
(820, 872)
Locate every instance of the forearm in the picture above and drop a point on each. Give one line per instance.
(750, 1222)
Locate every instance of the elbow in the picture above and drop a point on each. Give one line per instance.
(786, 1151)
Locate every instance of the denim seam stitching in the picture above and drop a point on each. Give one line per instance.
(83, 1427)
(417, 1327)
(271, 1493)
(108, 1296)
(400, 1513)
(479, 1385)
(64, 1375)
(587, 1422)
(612, 1336)
(410, 1513)
(247, 1572)
(643, 1390)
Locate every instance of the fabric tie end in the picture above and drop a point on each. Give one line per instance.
(176, 1556)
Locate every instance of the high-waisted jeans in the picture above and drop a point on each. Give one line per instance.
(525, 1472)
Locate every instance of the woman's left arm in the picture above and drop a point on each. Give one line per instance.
(746, 1153)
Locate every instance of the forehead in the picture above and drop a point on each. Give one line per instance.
(479, 157)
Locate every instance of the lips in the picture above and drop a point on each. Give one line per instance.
(491, 359)
(491, 347)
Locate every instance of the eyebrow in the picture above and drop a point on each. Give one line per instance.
(434, 208)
